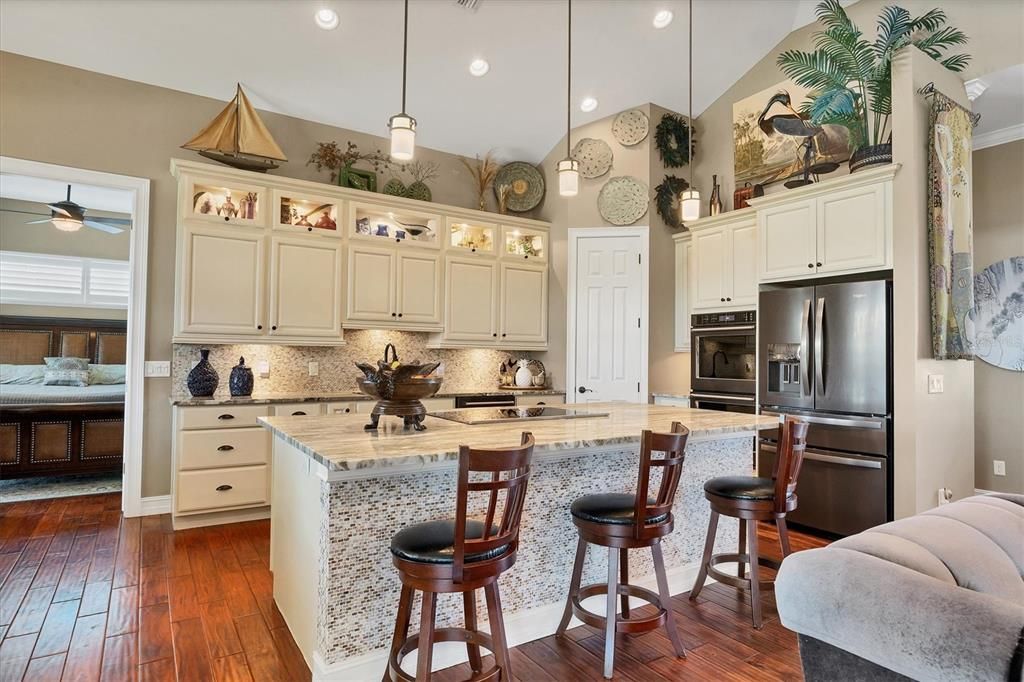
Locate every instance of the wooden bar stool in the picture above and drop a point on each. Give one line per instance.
(620, 522)
(462, 555)
(752, 499)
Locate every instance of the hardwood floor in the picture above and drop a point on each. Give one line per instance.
(87, 595)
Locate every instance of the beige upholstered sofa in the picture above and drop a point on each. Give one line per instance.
(937, 596)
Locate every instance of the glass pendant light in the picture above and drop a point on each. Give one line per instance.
(569, 168)
(689, 207)
(403, 126)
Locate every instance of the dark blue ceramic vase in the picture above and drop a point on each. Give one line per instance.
(241, 379)
(202, 380)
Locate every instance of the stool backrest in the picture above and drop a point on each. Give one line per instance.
(792, 443)
(673, 445)
(500, 528)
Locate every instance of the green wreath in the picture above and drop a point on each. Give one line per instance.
(672, 137)
(666, 194)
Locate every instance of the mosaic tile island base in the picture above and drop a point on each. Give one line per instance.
(339, 494)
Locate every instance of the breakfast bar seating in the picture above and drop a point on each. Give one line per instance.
(620, 522)
(462, 556)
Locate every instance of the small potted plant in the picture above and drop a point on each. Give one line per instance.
(328, 155)
(850, 78)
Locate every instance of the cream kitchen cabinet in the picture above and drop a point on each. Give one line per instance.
(471, 300)
(839, 226)
(523, 309)
(221, 282)
(305, 287)
(391, 288)
(725, 262)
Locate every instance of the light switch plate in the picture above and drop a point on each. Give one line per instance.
(936, 383)
(157, 368)
(314, 368)
(998, 467)
(263, 368)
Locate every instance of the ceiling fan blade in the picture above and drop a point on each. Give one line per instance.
(114, 221)
(58, 209)
(11, 210)
(36, 222)
(112, 229)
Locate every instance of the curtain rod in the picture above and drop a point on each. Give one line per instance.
(930, 90)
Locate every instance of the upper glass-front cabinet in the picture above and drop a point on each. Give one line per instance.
(524, 243)
(300, 212)
(234, 204)
(372, 222)
(473, 236)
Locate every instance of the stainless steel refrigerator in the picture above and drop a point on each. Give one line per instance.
(825, 355)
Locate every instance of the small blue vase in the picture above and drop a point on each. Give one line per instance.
(203, 380)
(241, 379)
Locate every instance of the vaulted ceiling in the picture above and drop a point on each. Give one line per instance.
(351, 76)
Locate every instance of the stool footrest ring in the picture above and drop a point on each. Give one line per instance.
(444, 635)
(622, 625)
(735, 581)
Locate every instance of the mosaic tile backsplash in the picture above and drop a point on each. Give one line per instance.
(474, 369)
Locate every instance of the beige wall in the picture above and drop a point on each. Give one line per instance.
(668, 371)
(998, 393)
(130, 128)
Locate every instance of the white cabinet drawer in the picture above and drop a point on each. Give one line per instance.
(297, 410)
(212, 489)
(222, 416)
(218, 448)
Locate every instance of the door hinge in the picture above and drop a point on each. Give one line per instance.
(638, 387)
(638, 323)
(638, 261)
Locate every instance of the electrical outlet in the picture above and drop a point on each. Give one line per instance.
(263, 368)
(998, 467)
(936, 383)
(157, 368)
(314, 368)
(945, 495)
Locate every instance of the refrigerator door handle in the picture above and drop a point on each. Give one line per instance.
(845, 461)
(805, 350)
(875, 424)
(819, 347)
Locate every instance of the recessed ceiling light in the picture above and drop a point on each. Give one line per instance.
(327, 19)
(588, 104)
(479, 67)
(663, 18)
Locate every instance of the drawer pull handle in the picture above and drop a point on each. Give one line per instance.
(225, 417)
(226, 448)
(299, 413)
(222, 488)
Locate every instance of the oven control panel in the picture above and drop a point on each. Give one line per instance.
(724, 319)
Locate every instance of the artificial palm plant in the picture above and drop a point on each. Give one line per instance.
(850, 78)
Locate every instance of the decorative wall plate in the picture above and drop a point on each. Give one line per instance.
(595, 157)
(630, 127)
(623, 200)
(526, 183)
(996, 323)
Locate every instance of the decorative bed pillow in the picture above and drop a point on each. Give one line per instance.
(21, 374)
(106, 374)
(66, 372)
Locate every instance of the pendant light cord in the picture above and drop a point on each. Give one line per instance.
(405, 51)
(689, 138)
(568, 88)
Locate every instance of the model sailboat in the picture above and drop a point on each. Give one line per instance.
(238, 138)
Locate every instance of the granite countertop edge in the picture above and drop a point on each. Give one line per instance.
(275, 398)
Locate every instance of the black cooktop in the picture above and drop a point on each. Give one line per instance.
(493, 415)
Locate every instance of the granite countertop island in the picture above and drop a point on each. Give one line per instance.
(339, 493)
(330, 396)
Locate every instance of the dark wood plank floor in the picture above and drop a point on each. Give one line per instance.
(88, 595)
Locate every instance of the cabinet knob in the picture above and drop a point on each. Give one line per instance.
(819, 265)
(347, 410)
(259, 326)
(495, 335)
(273, 328)
(473, 249)
(225, 448)
(397, 239)
(503, 335)
(723, 300)
(399, 314)
(309, 229)
(728, 298)
(222, 488)
(526, 257)
(226, 218)
(810, 265)
(394, 315)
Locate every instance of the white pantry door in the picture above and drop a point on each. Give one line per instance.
(609, 300)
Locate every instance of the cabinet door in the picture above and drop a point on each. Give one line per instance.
(419, 289)
(471, 298)
(853, 232)
(524, 309)
(709, 250)
(787, 239)
(305, 287)
(371, 284)
(742, 257)
(222, 290)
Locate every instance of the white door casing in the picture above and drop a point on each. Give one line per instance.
(608, 315)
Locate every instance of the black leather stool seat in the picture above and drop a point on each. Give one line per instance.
(741, 487)
(611, 508)
(433, 542)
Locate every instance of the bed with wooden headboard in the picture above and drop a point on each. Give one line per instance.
(54, 430)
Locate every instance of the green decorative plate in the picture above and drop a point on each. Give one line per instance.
(623, 200)
(526, 183)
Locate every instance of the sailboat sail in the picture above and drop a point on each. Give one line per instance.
(237, 136)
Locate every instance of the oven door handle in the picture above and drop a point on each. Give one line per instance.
(719, 396)
(737, 328)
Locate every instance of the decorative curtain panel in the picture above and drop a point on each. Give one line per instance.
(950, 229)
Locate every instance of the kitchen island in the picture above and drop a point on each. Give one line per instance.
(339, 493)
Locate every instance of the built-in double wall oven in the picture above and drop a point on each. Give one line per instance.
(723, 355)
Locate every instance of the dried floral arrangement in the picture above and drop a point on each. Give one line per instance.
(330, 156)
(483, 171)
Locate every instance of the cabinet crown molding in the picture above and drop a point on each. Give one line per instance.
(851, 181)
(744, 215)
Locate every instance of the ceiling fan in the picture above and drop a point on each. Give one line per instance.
(68, 216)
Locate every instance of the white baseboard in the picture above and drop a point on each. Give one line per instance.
(521, 627)
(158, 504)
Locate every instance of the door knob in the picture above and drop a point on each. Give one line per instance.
(584, 389)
